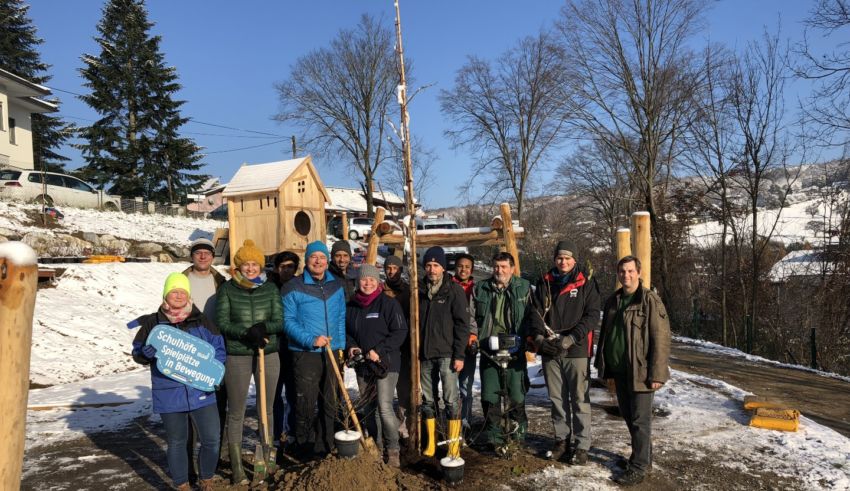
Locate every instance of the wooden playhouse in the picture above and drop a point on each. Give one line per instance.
(278, 205)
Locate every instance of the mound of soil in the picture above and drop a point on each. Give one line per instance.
(361, 473)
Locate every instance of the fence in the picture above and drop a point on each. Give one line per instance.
(140, 205)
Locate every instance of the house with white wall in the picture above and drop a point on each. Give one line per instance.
(19, 100)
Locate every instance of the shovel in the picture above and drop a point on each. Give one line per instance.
(367, 443)
(265, 456)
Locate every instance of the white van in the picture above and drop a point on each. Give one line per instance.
(54, 189)
(441, 223)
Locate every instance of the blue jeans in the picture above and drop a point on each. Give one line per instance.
(432, 372)
(177, 425)
(383, 399)
(466, 380)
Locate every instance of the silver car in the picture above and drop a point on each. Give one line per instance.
(53, 189)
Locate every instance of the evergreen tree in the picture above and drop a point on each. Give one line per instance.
(135, 146)
(19, 43)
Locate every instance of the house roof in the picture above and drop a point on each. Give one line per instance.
(25, 92)
(800, 264)
(354, 200)
(258, 178)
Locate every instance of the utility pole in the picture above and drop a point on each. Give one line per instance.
(416, 434)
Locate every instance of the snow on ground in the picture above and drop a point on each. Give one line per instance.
(135, 226)
(80, 326)
(708, 346)
(791, 227)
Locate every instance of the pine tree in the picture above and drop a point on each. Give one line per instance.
(135, 146)
(19, 44)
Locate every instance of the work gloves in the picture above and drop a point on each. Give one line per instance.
(547, 347)
(256, 335)
(566, 343)
(149, 351)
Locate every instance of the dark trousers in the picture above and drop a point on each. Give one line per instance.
(492, 387)
(284, 412)
(177, 428)
(315, 383)
(636, 409)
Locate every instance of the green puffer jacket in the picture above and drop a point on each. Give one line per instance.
(238, 308)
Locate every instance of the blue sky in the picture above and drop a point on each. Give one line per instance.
(229, 55)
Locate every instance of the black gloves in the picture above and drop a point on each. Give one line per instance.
(549, 347)
(256, 334)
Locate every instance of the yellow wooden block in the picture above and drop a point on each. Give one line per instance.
(775, 423)
(755, 402)
(778, 413)
(104, 259)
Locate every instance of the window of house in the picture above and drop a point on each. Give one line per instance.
(302, 223)
(12, 131)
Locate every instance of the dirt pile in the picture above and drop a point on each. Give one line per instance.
(361, 473)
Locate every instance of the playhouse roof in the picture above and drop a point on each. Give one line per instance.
(260, 178)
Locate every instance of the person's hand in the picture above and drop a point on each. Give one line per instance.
(457, 366)
(374, 356)
(567, 342)
(551, 348)
(472, 344)
(321, 341)
(657, 385)
(149, 351)
(256, 334)
(353, 351)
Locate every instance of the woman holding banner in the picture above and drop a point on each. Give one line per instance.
(249, 313)
(176, 402)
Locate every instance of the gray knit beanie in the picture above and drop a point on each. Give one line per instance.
(369, 271)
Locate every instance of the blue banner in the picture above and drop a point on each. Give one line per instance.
(185, 358)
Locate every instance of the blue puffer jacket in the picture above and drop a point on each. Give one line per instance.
(313, 308)
(171, 396)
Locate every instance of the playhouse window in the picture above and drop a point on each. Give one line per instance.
(302, 186)
(303, 224)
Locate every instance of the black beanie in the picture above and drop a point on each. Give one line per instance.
(395, 261)
(565, 248)
(435, 254)
(340, 245)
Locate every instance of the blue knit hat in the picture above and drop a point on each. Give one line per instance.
(435, 254)
(316, 246)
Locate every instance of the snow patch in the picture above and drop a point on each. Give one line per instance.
(18, 253)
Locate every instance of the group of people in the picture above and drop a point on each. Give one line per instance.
(334, 313)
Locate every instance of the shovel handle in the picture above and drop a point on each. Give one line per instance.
(261, 388)
(345, 392)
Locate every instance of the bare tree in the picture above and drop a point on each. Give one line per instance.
(511, 113)
(339, 96)
(829, 104)
(764, 143)
(599, 179)
(633, 76)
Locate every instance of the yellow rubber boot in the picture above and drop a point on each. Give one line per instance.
(430, 428)
(454, 438)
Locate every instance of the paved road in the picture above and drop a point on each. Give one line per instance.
(823, 399)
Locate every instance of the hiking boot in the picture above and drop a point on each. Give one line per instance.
(393, 459)
(631, 477)
(205, 485)
(559, 450)
(579, 458)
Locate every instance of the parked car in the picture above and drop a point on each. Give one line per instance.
(441, 223)
(53, 189)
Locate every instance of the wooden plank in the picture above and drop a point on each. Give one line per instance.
(510, 235)
(642, 245)
(374, 239)
(467, 236)
(624, 246)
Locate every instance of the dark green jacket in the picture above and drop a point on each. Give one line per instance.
(519, 305)
(238, 308)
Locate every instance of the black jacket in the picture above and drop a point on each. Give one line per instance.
(443, 321)
(569, 310)
(380, 327)
(349, 278)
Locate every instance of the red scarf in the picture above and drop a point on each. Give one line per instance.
(467, 286)
(364, 300)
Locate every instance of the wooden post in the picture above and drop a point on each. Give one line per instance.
(642, 245)
(415, 392)
(624, 246)
(344, 224)
(374, 239)
(18, 280)
(508, 231)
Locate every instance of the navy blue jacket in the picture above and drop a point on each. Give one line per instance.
(312, 309)
(171, 396)
(379, 326)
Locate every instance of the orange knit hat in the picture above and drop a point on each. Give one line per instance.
(249, 252)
